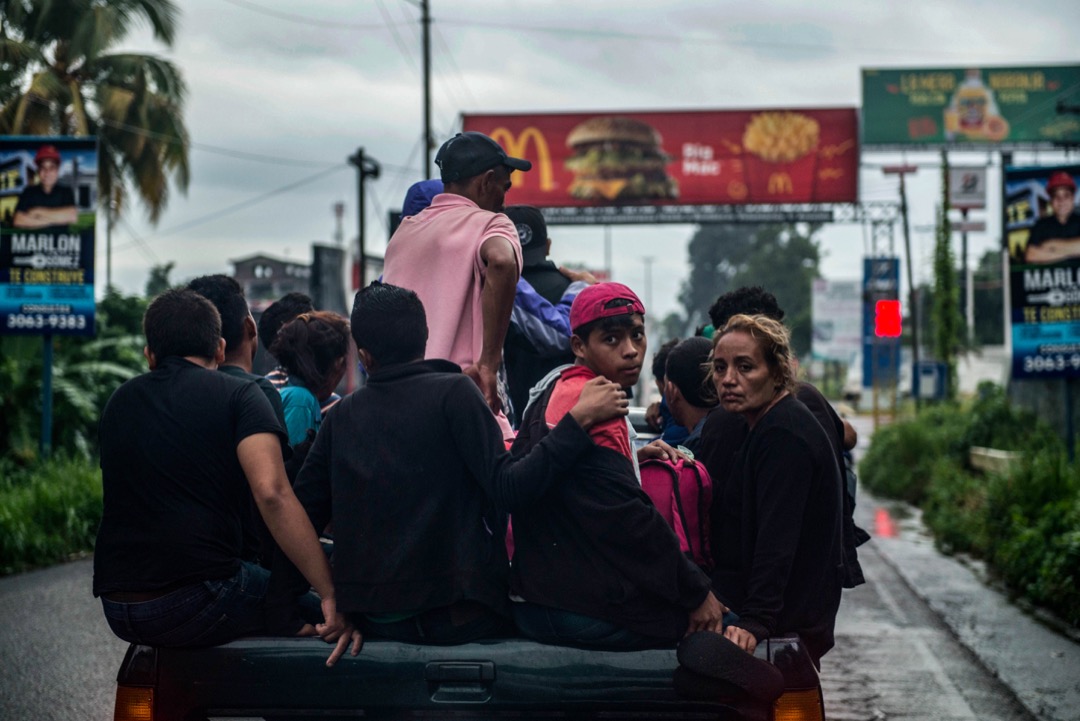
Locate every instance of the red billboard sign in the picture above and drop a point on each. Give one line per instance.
(744, 157)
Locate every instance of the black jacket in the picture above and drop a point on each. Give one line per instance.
(413, 471)
(594, 544)
(777, 543)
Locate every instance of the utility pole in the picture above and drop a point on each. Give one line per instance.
(425, 22)
(903, 170)
(366, 167)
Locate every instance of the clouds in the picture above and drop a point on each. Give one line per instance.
(262, 81)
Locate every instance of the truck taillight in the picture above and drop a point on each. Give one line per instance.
(134, 703)
(799, 706)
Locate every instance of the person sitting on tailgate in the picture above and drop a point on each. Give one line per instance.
(595, 565)
(688, 387)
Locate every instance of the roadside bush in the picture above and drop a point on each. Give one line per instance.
(1033, 520)
(955, 509)
(901, 458)
(48, 511)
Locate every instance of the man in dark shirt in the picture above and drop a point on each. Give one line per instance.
(1056, 236)
(180, 447)
(46, 206)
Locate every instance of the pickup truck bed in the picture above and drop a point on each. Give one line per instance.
(284, 679)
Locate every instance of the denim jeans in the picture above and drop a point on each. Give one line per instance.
(566, 628)
(462, 622)
(200, 614)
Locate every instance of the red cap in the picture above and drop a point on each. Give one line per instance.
(1060, 179)
(47, 152)
(595, 302)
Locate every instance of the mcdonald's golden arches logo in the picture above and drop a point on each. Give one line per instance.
(780, 184)
(516, 146)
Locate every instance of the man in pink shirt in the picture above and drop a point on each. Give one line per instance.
(462, 257)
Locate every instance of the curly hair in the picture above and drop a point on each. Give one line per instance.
(774, 340)
(748, 300)
(308, 346)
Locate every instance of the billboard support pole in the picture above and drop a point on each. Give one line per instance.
(969, 292)
(913, 294)
(46, 396)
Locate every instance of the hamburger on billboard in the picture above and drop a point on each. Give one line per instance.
(680, 158)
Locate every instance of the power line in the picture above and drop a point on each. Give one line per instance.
(302, 19)
(250, 201)
(240, 154)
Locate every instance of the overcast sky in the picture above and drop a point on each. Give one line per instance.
(280, 93)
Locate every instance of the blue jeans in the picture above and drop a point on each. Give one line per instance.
(566, 628)
(463, 622)
(200, 614)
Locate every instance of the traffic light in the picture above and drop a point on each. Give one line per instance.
(887, 319)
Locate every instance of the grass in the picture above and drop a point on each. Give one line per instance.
(48, 512)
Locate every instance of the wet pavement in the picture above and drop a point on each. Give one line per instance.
(1038, 663)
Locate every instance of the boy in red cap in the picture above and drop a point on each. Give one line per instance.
(1057, 236)
(595, 565)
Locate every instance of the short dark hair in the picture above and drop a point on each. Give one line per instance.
(308, 346)
(281, 312)
(689, 370)
(659, 359)
(228, 297)
(182, 323)
(389, 322)
(748, 300)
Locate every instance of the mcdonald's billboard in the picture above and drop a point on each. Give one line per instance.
(695, 158)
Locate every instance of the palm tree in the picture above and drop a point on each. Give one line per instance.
(59, 78)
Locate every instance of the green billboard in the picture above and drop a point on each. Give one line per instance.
(1006, 108)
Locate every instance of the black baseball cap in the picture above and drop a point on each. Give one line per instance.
(531, 228)
(468, 154)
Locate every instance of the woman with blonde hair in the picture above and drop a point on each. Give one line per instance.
(312, 349)
(778, 563)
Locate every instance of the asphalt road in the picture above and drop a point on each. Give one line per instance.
(895, 659)
(59, 656)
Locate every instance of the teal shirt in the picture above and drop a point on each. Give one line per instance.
(301, 412)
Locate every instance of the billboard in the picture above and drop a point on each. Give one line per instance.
(999, 107)
(48, 196)
(836, 307)
(1042, 236)
(647, 161)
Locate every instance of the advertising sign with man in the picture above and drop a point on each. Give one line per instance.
(999, 107)
(673, 159)
(48, 194)
(1042, 235)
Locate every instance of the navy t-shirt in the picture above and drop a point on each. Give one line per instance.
(174, 491)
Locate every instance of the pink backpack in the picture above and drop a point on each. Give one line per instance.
(682, 493)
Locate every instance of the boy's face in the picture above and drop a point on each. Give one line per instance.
(616, 354)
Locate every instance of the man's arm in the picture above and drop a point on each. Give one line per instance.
(43, 217)
(260, 457)
(1053, 250)
(545, 325)
(496, 302)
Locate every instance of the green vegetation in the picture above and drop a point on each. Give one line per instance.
(48, 512)
(1024, 522)
(64, 75)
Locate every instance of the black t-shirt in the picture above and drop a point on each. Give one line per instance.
(174, 492)
(34, 196)
(1050, 228)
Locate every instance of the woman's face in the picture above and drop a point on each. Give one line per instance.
(744, 382)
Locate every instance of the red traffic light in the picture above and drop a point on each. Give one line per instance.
(887, 319)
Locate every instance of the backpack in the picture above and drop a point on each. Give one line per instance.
(682, 492)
